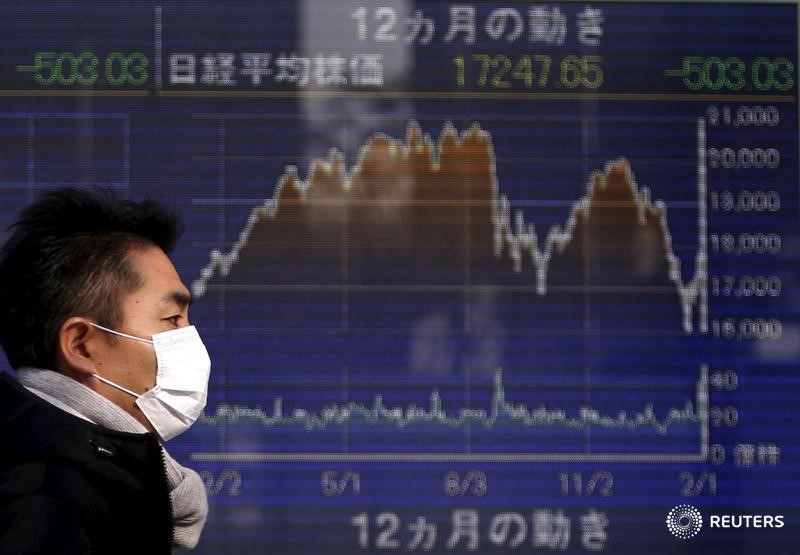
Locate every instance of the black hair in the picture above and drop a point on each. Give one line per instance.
(68, 256)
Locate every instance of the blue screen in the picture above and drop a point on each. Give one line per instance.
(481, 277)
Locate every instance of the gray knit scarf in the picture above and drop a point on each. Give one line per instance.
(187, 493)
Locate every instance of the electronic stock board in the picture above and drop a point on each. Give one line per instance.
(484, 277)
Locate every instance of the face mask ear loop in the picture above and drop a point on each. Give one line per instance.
(121, 334)
(112, 384)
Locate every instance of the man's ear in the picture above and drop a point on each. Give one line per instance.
(77, 341)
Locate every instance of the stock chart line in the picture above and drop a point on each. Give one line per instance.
(694, 412)
(612, 193)
(521, 236)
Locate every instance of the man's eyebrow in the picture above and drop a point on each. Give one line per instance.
(180, 298)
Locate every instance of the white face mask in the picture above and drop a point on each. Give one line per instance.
(181, 389)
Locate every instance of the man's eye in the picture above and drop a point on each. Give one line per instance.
(174, 319)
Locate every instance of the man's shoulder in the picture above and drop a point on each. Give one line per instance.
(58, 506)
(31, 429)
(13, 397)
(19, 408)
(16, 400)
(53, 462)
(45, 471)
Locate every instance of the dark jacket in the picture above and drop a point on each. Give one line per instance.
(68, 486)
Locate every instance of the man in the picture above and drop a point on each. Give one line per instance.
(94, 319)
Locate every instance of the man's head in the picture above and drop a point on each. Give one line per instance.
(83, 256)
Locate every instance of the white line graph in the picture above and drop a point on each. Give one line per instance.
(693, 413)
(512, 235)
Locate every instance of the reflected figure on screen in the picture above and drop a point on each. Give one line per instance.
(94, 319)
